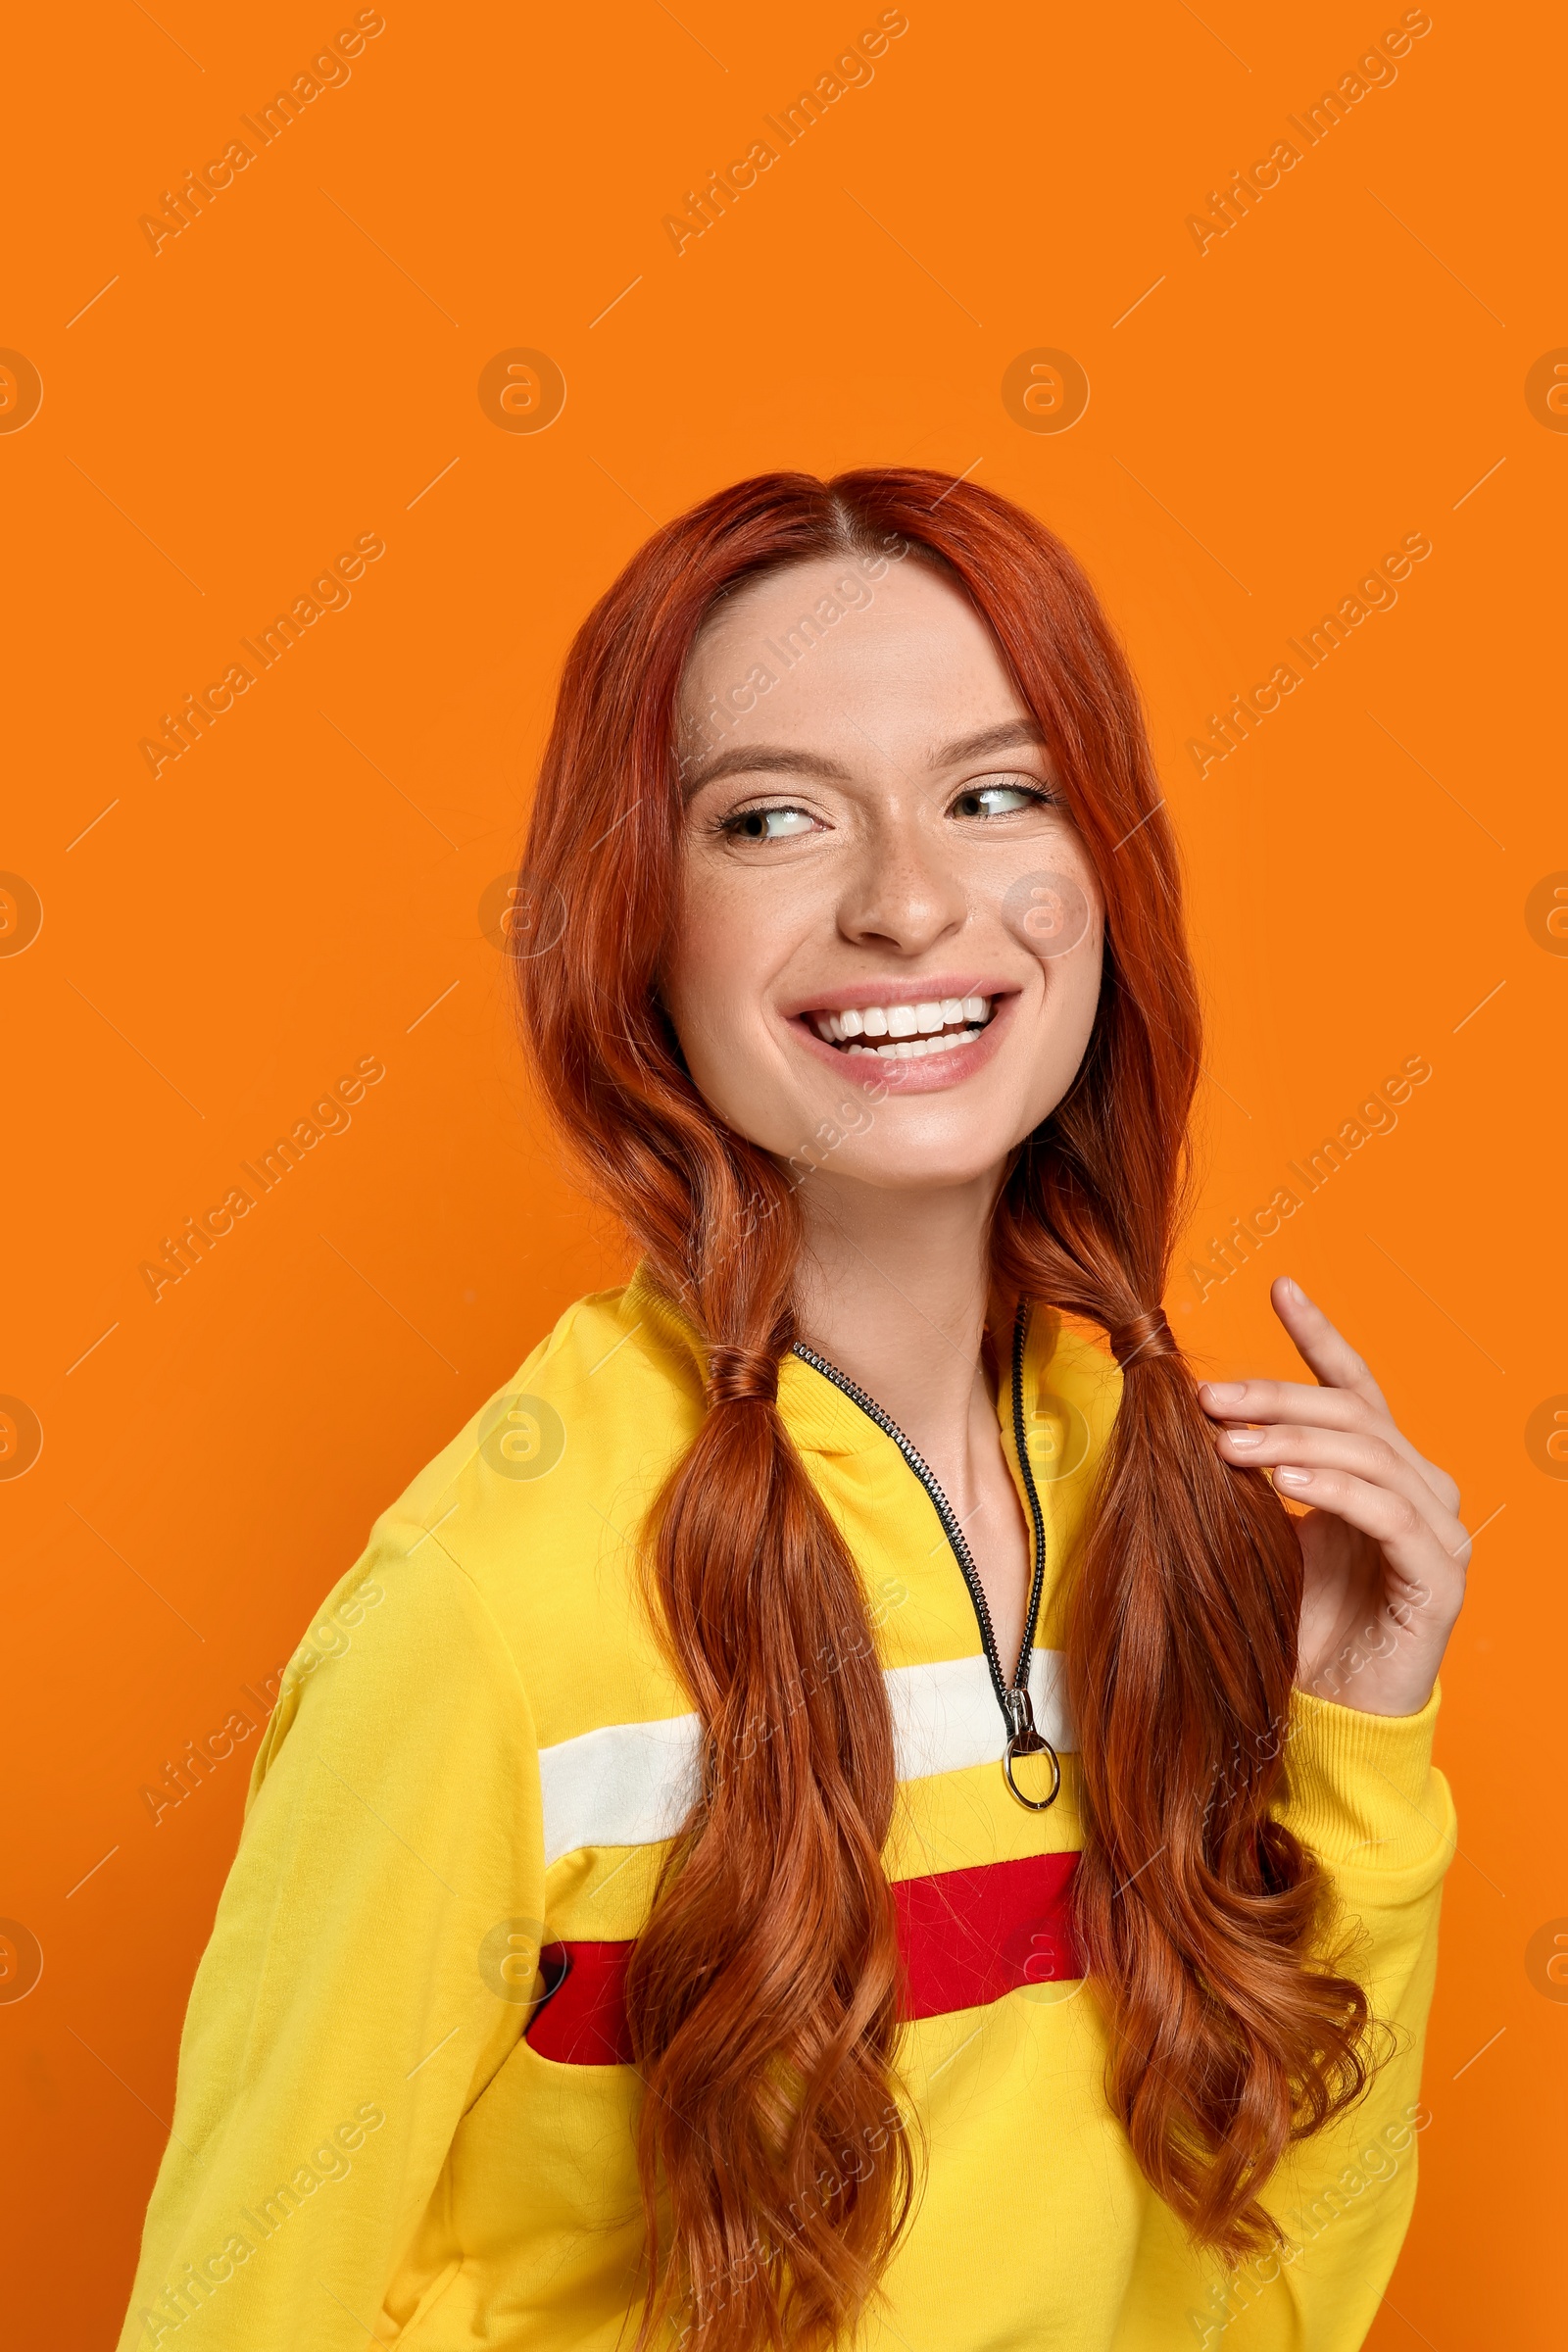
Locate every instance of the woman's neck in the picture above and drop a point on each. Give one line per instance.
(893, 1290)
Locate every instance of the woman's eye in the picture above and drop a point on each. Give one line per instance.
(999, 799)
(768, 824)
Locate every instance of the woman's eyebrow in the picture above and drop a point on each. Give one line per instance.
(1011, 735)
(765, 759)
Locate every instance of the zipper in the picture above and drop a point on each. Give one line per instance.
(1023, 1738)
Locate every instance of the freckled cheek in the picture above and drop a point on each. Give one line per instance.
(1054, 1045)
(737, 1067)
(717, 969)
(1073, 985)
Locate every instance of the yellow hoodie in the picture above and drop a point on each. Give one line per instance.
(385, 2134)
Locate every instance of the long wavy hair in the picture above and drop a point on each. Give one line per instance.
(777, 2165)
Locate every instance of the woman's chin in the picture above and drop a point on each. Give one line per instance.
(947, 1160)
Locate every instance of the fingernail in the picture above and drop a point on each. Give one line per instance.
(1245, 1437)
(1292, 1478)
(1291, 1289)
(1223, 1392)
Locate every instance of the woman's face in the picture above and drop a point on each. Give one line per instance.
(887, 958)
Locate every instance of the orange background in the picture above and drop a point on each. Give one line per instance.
(302, 888)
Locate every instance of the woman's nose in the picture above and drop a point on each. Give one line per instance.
(903, 894)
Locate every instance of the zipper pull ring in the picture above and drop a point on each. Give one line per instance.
(1024, 1739)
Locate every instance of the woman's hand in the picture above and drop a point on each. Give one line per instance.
(1384, 1552)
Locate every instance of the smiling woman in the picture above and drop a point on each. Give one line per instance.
(850, 856)
(998, 1967)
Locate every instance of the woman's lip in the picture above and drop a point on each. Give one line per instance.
(923, 1073)
(854, 995)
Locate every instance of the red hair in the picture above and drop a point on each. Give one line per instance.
(763, 1993)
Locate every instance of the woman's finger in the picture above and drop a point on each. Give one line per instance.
(1374, 1459)
(1323, 1347)
(1292, 1401)
(1289, 1400)
(1427, 1570)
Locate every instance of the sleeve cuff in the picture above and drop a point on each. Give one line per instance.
(1362, 1791)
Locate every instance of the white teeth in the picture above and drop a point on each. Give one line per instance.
(912, 1049)
(926, 1027)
